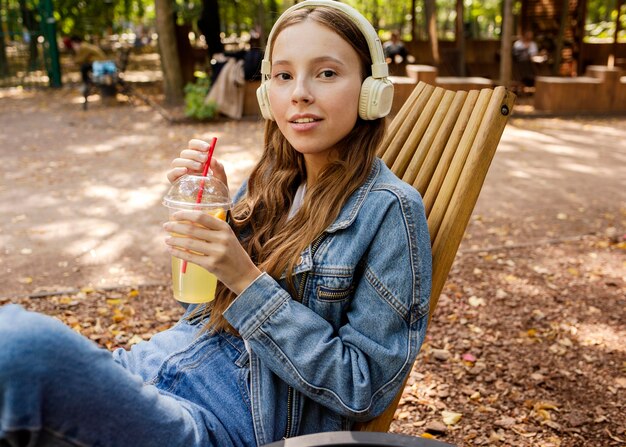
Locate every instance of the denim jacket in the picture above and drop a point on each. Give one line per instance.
(339, 352)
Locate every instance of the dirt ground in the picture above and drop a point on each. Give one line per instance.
(527, 345)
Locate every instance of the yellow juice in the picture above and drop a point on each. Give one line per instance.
(196, 285)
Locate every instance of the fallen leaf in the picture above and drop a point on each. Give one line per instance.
(133, 293)
(475, 301)
(450, 417)
(468, 357)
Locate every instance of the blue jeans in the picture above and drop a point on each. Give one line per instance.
(57, 388)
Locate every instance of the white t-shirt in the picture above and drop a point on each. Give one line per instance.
(298, 199)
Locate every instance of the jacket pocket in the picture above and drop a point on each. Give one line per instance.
(333, 295)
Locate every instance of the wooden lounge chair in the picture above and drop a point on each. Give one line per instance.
(442, 142)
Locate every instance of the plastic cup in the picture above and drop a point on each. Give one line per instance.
(194, 284)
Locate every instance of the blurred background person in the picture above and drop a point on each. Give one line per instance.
(524, 50)
(85, 54)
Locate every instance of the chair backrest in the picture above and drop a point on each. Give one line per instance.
(442, 142)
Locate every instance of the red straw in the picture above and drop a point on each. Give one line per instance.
(205, 171)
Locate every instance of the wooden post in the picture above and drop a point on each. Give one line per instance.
(413, 21)
(431, 27)
(565, 21)
(460, 36)
(617, 24)
(506, 36)
(582, 18)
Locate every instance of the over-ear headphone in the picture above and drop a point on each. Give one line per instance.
(376, 91)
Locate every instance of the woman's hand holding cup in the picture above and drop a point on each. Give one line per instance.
(209, 242)
(191, 161)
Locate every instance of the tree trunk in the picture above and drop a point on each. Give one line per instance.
(617, 26)
(185, 51)
(170, 62)
(460, 36)
(375, 14)
(559, 39)
(413, 21)
(209, 24)
(30, 23)
(264, 31)
(4, 61)
(431, 26)
(506, 38)
(580, 34)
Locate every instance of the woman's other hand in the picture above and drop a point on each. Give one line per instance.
(191, 161)
(210, 243)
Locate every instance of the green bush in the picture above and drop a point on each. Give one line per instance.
(195, 94)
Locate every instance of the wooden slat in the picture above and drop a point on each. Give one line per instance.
(449, 182)
(425, 174)
(419, 129)
(457, 178)
(425, 145)
(467, 189)
(406, 126)
(433, 187)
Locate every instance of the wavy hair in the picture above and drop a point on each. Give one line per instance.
(273, 241)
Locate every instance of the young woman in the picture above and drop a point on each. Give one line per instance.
(324, 270)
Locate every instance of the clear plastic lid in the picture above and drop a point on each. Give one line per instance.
(185, 191)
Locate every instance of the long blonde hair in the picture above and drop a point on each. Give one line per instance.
(273, 241)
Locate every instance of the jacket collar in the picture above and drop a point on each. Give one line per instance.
(350, 210)
(346, 217)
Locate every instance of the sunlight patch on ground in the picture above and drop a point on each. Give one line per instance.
(520, 174)
(33, 202)
(562, 149)
(15, 92)
(583, 169)
(601, 334)
(108, 249)
(237, 169)
(112, 144)
(516, 137)
(535, 173)
(94, 228)
(127, 201)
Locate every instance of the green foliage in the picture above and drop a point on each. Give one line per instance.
(95, 18)
(195, 105)
(187, 11)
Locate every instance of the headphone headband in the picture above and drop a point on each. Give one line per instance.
(379, 66)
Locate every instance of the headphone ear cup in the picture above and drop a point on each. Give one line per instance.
(262, 97)
(376, 98)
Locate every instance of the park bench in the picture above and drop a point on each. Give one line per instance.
(601, 90)
(463, 82)
(425, 73)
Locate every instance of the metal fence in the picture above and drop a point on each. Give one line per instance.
(28, 47)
